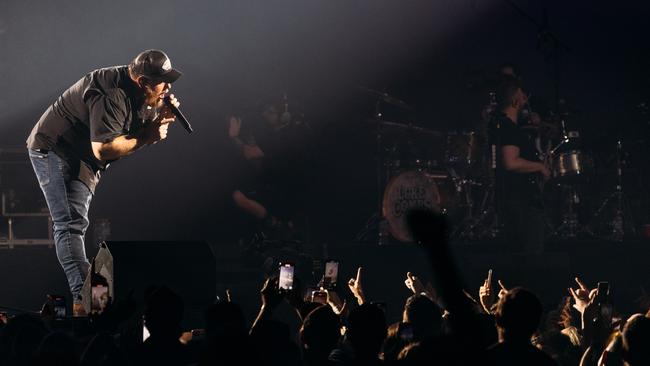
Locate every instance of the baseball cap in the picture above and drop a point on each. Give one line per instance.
(156, 66)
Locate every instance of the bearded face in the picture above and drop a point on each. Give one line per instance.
(155, 93)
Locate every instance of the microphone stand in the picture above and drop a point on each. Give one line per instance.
(377, 217)
(545, 36)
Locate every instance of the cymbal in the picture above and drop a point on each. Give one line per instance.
(386, 98)
(405, 126)
(541, 125)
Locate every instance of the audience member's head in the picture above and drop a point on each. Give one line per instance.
(518, 314)
(424, 316)
(227, 340)
(102, 350)
(225, 319)
(416, 354)
(559, 346)
(21, 337)
(367, 330)
(488, 334)
(56, 349)
(163, 313)
(307, 307)
(273, 341)
(320, 331)
(399, 335)
(636, 340)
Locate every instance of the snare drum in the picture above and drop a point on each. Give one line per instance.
(571, 164)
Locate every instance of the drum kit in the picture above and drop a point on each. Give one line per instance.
(452, 172)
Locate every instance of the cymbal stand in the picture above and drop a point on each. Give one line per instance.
(569, 228)
(486, 224)
(483, 225)
(377, 223)
(565, 139)
(621, 216)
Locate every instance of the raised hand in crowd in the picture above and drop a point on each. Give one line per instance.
(271, 298)
(228, 295)
(503, 290)
(413, 283)
(270, 294)
(356, 287)
(485, 293)
(334, 301)
(596, 329)
(581, 296)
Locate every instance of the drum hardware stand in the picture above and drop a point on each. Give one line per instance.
(565, 139)
(491, 198)
(463, 186)
(486, 224)
(570, 226)
(619, 219)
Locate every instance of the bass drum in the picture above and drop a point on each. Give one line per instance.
(412, 190)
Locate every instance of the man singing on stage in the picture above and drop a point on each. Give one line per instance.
(106, 115)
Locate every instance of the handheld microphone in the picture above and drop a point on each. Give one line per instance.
(177, 112)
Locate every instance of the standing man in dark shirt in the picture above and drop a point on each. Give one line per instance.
(106, 115)
(518, 170)
(275, 157)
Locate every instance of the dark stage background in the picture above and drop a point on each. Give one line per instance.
(236, 53)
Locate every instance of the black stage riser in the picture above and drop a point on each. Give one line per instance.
(186, 267)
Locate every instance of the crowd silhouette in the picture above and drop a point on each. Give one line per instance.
(443, 323)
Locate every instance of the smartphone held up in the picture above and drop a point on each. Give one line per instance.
(285, 282)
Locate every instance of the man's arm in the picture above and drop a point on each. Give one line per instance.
(250, 152)
(123, 145)
(126, 144)
(513, 162)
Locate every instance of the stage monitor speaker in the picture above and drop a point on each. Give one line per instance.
(187, 267)
(102, 267)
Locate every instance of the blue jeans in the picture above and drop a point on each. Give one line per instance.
(68, 200)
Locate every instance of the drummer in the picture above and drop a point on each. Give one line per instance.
(518, 172)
